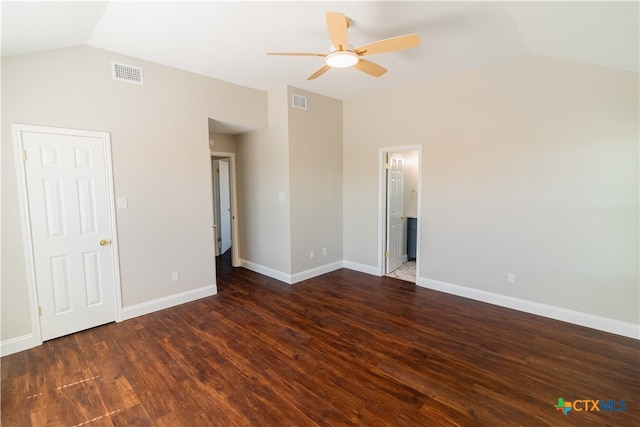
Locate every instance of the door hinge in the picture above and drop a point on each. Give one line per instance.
(387, 166)
(386, 254)
(219, 239)
(24, 155)
(40, 311)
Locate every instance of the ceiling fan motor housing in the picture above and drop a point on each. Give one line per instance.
(342, 58)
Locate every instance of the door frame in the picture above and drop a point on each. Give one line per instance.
(235, 239)
(384, 152)
(25, 219)
(215, 180)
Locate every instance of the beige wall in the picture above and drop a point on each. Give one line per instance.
(315, 164)
(529, 167)
(222, 142)
(161, 163)
(263, 173)
(299, 156)
(410, 190)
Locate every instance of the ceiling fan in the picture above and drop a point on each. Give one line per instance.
(343, 54)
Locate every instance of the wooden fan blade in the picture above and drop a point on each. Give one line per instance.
(337, 25)
(320, 71)
(296, 54)
(370, 68)
(389, 45)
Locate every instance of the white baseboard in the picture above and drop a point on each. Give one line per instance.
(287, 278)
(166, 302)
(317, 271)
(17, 344)
(362, 268)
(571, 316)
(25, 342)
(270, 272)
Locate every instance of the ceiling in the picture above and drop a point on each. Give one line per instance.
(228, 40)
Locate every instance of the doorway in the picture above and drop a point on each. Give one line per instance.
(225, 227)
(400, 205)
(221, 204)
(68, 218)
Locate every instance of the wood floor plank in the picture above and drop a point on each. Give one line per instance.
(344, 348)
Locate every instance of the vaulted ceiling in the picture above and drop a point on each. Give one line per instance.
(229, 40)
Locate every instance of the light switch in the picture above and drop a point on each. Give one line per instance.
(122, 203)
(281, 196)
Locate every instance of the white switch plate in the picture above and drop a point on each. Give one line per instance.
(281, 196)
(175, 276)
(122, 203)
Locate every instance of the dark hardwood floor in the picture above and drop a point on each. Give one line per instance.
(342, 349)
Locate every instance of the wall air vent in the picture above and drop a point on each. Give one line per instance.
(126, 73)
(299, 101)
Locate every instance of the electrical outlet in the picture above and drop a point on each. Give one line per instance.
(511, 278)
(122, 203)
(324, 251)
(312, 255)
(175, 276)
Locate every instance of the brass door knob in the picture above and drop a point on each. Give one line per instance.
(105, 242)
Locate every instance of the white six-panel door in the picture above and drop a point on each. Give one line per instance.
(395, 215)
(225, 206)
(70, 215)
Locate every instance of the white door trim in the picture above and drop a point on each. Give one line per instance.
(235, 246)
(382, 196)
(216, 205)
(27, 238)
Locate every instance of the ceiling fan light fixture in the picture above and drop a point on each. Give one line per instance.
(342, 59)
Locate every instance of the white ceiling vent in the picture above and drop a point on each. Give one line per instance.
(126, 73)
(299, 101)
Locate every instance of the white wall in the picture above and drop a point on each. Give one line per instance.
(161, 161)
(529, 167)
